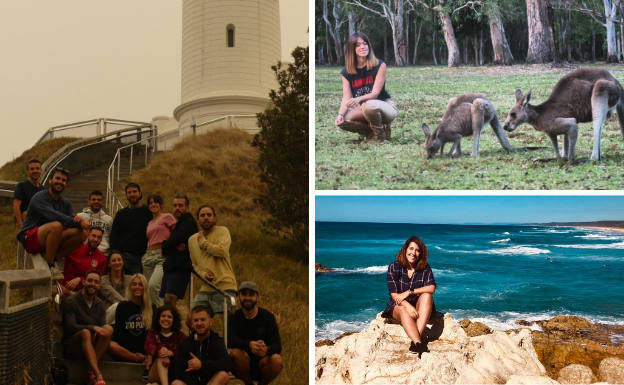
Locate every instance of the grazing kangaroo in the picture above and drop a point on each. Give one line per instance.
(583, 95)
(465, 115)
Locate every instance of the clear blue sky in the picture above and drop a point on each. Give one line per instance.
(468, 209)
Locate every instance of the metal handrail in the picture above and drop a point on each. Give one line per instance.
(225, 295)
(100, 122)
(65, 151)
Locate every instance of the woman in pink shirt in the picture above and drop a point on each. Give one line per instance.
(158, 229)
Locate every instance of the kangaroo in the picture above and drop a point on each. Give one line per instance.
(583, 95)
(465, 115)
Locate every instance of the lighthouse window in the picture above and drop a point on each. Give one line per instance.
(230, 35)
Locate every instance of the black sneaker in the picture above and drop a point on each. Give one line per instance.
(418, 348)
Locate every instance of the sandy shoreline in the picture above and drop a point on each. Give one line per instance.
(602, 228)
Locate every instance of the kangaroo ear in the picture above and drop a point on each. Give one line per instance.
(426, 130)
(527, 98)
(518, 96)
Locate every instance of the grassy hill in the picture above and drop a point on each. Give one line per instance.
(16, 169)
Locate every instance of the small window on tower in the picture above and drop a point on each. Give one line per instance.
(230, 35)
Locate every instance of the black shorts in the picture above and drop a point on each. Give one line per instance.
(175, 282)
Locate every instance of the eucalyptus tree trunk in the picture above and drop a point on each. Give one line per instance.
(398, 33)
(334, 29)
(500, 46)
(330, 59)
(434, 38)
(541, 38)
(454, 56)
(351, 17)
(416, 40)
(610, 8)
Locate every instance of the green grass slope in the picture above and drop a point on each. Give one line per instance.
(343, 161)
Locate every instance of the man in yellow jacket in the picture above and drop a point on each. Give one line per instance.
(210, 255)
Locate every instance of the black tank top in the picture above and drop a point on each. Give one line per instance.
(362, 82)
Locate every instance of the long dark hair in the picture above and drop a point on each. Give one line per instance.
(177, 324)
(423, 255)
(350, 57)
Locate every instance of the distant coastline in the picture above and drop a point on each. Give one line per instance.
(597, 225)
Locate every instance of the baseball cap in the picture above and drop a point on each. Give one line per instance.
(249, 285)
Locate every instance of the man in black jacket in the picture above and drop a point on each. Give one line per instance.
(128, 230)
(177, 266)
(254, 339)
(202, 358)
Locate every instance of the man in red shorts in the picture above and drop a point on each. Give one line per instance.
(51, 226)
(86, 257)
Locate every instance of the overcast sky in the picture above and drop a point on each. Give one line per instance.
(72, 60)
(468, 209)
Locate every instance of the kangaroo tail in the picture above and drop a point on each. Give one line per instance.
(500, 134)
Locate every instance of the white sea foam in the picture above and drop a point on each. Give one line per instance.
(505, 232)
(446, 273)
(617, 338)
(616, 245)
(501, 240)
(559, 231)
(515, 250)
(335, 329)
(599, 236)
(363, 270)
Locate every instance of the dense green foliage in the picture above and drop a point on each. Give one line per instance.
(344, 161)
(283, 144)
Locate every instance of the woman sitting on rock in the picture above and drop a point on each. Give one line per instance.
(366, 107)
(411, 286)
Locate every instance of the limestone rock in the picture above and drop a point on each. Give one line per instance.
(611, 370)
(576, 374)
(529, 380)
(565, 323)
(474, 329)
(379, 355)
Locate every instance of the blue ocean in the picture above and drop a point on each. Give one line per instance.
(493, 274)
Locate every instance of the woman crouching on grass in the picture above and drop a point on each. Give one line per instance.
(161, 344)
(366, 106)
(411, 285)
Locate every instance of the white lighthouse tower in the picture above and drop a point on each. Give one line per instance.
(228, 48)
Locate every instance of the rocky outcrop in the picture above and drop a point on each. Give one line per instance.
(612, 370)
(379, 354)
(566, 340)
(318, 268)
(576, 374)
(474, 329)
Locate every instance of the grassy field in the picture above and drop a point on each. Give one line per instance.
(345, 161)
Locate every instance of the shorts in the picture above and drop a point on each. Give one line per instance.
(213, 300)
(31, 241)
(175, 282)
(132, 263)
